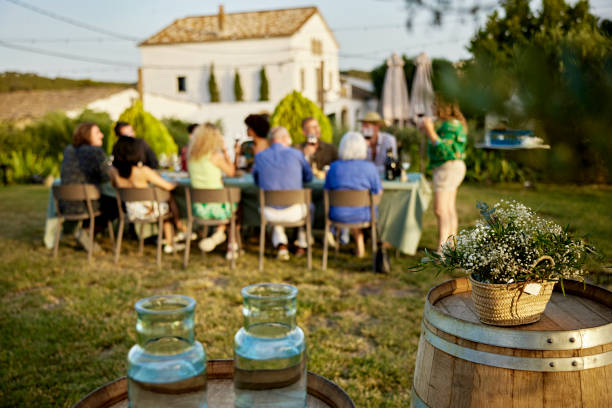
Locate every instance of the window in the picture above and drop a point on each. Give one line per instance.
(181, 83)
(316, 47)
(302, 80)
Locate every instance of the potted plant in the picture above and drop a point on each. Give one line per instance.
(513, 258)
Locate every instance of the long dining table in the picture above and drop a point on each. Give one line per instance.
(400, 212)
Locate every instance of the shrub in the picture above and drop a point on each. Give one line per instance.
(27, 166)
(292, 109)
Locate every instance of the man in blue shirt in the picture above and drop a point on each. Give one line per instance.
(281, 167)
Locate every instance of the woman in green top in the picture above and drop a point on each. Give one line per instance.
(446, 151)
(206, 163)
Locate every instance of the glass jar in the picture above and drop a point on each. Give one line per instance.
(270, 350)
(167, 368)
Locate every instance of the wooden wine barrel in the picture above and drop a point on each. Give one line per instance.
(564, 360)
(322, 393)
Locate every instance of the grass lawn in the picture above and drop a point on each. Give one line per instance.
(67, 326)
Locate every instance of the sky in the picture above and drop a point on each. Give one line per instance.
(368, 32)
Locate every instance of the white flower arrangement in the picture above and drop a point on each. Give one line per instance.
(512, 244)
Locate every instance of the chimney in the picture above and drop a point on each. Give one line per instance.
(221, 17)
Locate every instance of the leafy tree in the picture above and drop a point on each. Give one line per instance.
(553, 65)
(147, 127)
(238, 93)
(292, 109)
(213, 89)
(264, 92)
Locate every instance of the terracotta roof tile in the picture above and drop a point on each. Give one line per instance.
(236, 26)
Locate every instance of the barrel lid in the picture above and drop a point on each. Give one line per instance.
(580, 319)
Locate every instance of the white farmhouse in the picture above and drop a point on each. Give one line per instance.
(295, 47)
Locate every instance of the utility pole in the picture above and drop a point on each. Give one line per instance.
(321, 89)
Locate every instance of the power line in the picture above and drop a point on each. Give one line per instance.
(68, 56)
(72, 21)
(60, 40)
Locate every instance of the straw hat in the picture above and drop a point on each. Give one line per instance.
(372, 117)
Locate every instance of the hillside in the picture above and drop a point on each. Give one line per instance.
(15, 81)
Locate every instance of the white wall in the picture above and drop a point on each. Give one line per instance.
(162, 64)
(301, 42)
(283, 58)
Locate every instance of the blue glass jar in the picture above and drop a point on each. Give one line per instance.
(167, 368)
(270, 350)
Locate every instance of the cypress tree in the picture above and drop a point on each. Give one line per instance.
(238, 93)
(213, 89)
(264, 92)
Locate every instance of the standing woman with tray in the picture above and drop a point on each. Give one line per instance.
(446, 150)
(207, 160)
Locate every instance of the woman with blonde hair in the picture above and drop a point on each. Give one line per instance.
(446, 150)
(207, 160)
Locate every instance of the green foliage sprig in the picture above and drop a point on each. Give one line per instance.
(512, 244)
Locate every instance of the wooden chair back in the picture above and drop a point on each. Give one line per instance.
(222, 195)
(76, 192)
(284, 198)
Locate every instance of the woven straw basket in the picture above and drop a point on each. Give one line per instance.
(509, 305)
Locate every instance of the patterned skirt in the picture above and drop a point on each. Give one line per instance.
(213, 211)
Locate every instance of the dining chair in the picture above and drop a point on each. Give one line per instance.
(225, 195)
(284, 198)
(152, 195)
(86, 193)
(349, 198)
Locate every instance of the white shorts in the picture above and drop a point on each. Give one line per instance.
(449, 176)
(145, 210)
(292, 213)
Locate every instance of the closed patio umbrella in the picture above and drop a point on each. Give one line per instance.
(422, 97)
(395, 103)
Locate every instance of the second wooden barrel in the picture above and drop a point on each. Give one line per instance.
(564, 360)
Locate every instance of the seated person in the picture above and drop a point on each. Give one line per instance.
(353, 172)
(207, 161)
(378, 142)
(281, 167)
(85, 162)
(257, 129)
(125, 132)
(318, 153)
(129, 172)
